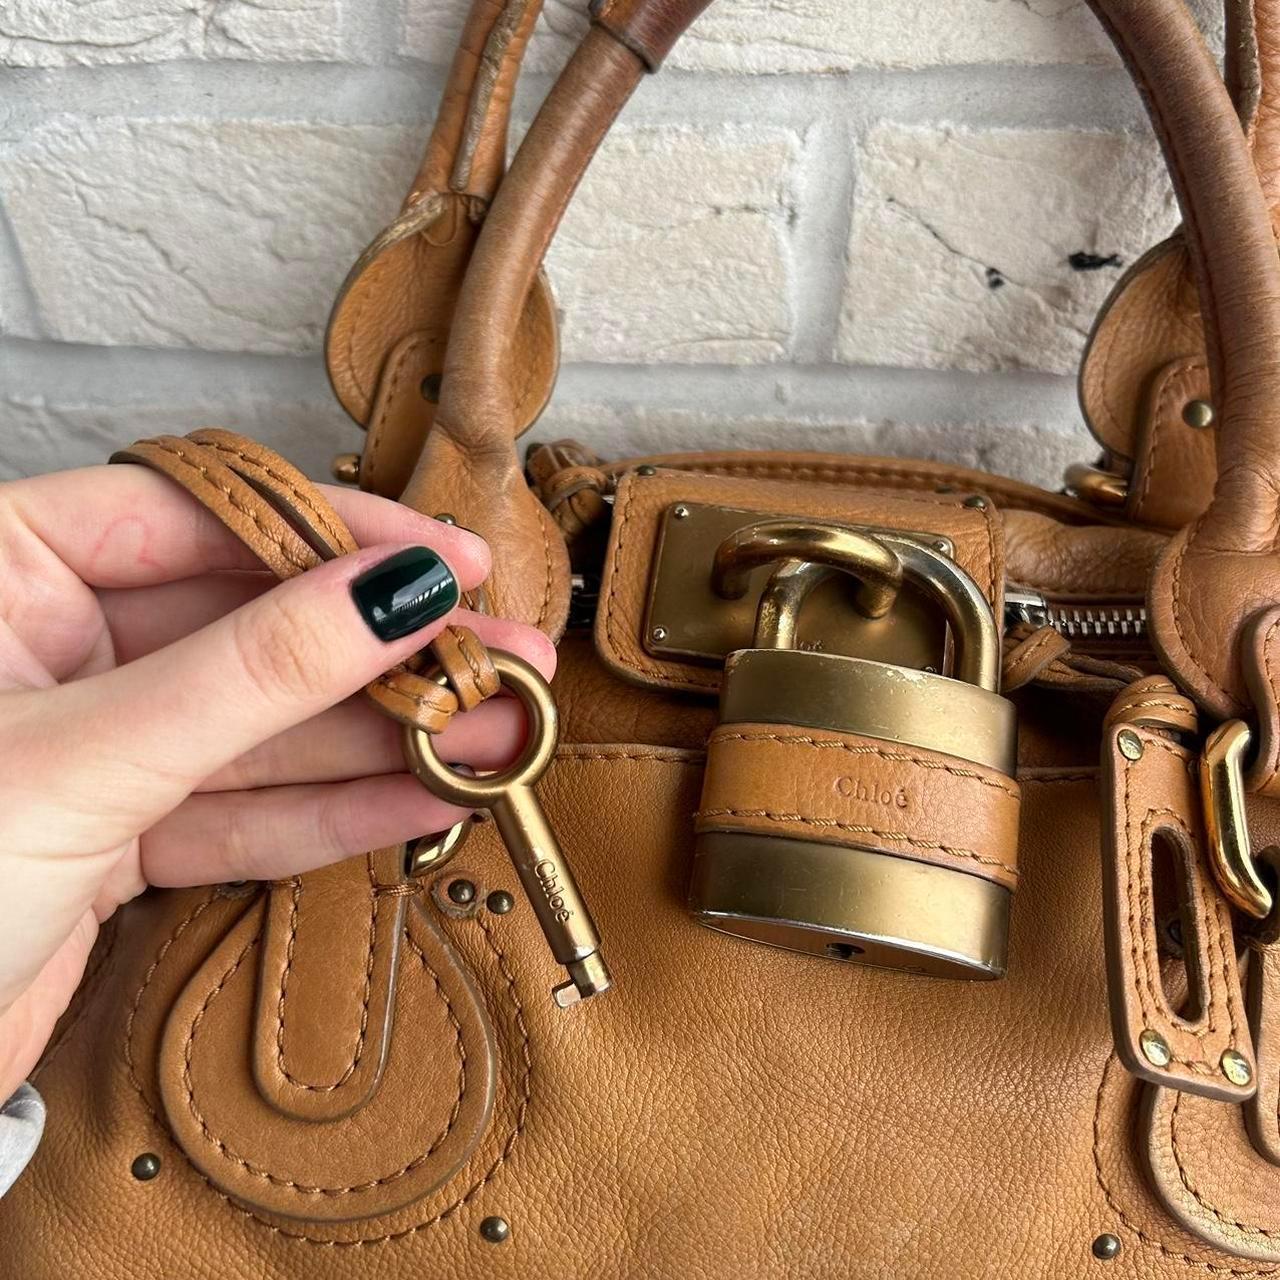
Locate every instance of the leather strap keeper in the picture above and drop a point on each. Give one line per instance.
(847, 789)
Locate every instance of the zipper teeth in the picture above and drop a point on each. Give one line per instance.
(1099, 622)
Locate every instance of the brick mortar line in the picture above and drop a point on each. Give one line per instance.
(84, 376)
(405, 92)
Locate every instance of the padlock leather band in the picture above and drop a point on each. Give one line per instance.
(868, 793)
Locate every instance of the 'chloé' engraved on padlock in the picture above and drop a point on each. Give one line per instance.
(856, 809)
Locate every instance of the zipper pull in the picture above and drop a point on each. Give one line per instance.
(1022, 605)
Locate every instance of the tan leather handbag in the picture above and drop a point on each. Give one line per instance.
(918, 810)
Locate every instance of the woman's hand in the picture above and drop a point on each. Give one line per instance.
(170, 715)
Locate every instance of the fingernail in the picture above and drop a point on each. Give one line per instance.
(405, 592)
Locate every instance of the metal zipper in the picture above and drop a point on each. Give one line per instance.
(1082, 622)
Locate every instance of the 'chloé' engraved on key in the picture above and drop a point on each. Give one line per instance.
(521, 821)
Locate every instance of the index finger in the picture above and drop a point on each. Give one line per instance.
(127, 526)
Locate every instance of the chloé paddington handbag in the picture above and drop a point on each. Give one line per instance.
(924, 817)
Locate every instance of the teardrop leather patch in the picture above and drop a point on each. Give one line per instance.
(422, 1113)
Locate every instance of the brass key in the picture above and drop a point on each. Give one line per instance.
(535, 851)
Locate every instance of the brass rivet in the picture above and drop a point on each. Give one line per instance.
(1155, 1048)
(658, 634)
(1235, 1066)
(1130, 744)
(461, 892)
(430, 387)
(646, 470)
(446, 518)
(976, 501)
(1106, 1246)
(146, 1166)
(499, 902)
(345, 468)
(495, 1230)
(681, 512)
(1198, 414)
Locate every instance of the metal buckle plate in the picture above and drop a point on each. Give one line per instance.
(687, 620)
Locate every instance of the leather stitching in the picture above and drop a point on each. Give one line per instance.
(905, 757)
(1118, 1209)
(377, 428)
(255, 1171)
(508, 1146)
(274, 537)
(1012, 496)
(376, 901)
(1177, 611)
(196, 912)
(340, 538)
(1273, 765)
(826, 824)
(1184, 1176)
(1157, 435)
(504, 1154)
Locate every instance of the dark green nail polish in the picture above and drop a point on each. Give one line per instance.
(404, 593)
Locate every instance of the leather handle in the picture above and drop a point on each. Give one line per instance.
(1253, 77)
(649, 28)
(471, 462)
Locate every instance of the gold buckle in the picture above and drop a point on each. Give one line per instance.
(1106, 489)
(1227, 825)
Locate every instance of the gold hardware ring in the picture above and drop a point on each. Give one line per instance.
(483, 793)
(1227, 825)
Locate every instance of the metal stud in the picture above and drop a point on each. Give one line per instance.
(146, 1166)
(495, 1230)
(1235, 1066)
(1155, 1048)
(1198, 414)
(446, 517)
(499, 902)
(976, 501)
(1106, 1246)
(658, 634)
(681, 512)
(462, 892)
(1130, 744)
(646, 471)
(345, 468)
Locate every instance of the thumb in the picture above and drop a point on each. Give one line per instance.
(147, 733)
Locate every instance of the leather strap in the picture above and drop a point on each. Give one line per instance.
(1153, 805)
(847, 789)
(390, 323)
(290, 526)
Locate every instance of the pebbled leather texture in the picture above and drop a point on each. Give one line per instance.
(727, 1109)
(980, 1128)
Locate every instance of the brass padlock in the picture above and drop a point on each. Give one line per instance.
(854, 809)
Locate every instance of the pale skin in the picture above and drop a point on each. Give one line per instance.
(170, 715)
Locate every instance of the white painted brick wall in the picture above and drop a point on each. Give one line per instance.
(840, 224)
